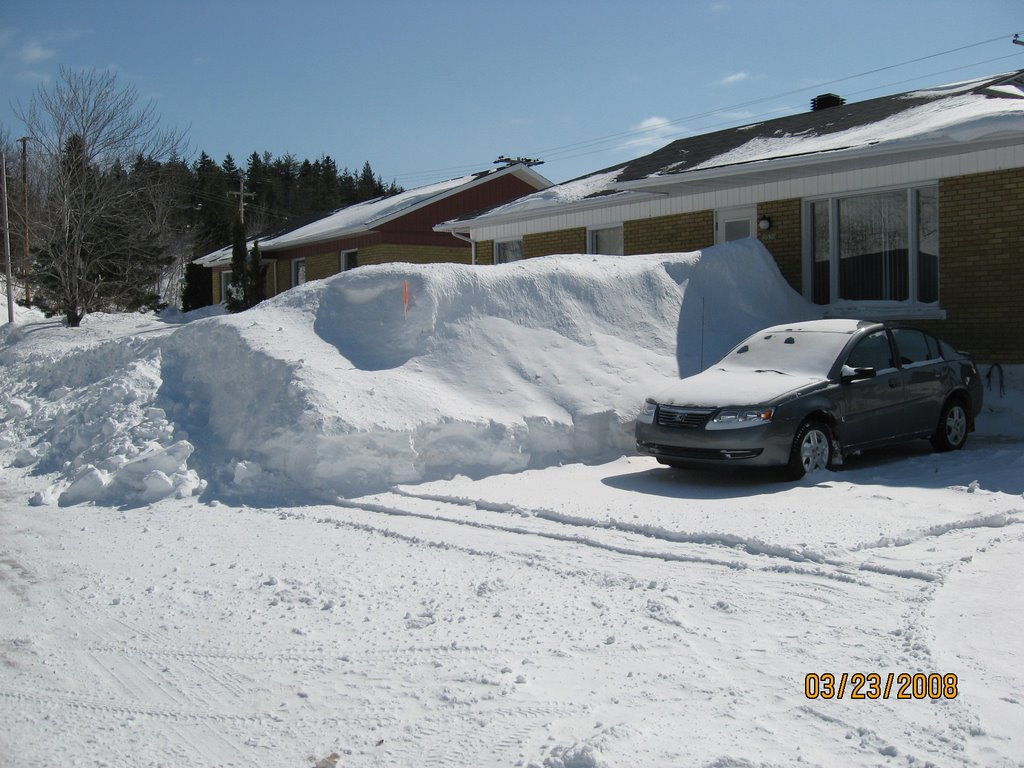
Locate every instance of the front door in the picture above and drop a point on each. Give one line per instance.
(735, 223)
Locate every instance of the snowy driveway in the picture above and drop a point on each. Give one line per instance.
(619, 614)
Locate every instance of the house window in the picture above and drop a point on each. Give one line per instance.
(607, 240)
(298, 272)
(225, 283)
(508, 250)
(878, 247)
(349, 260)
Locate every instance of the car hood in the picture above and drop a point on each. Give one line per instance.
(716, 387)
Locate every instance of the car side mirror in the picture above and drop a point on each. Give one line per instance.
(849, 375)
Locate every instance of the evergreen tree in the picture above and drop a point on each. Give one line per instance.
(231, 171)
(368, 187)
(347, 188)
(255, 277)
(197, 287)
(236, 298)
(214, 213)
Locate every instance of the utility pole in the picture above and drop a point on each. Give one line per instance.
(242, 194)
(7, 244)
(26, 264)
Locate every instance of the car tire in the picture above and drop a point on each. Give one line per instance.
(951, 431)
(812, 449)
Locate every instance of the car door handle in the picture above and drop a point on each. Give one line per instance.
(893, 383)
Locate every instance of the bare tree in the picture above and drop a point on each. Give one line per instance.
(98, 241)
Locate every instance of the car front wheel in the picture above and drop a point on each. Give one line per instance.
(951, 432)
(812, 449)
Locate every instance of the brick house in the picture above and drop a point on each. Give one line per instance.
(388, 229)
(905, 207)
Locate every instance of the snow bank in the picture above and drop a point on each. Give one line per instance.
(79, 404)
(341, 387)
(382, 375)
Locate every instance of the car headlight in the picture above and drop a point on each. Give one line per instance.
(735, 418)
(646, 415)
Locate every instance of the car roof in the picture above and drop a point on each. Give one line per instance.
(834, 325)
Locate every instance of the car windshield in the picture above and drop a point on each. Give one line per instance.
(795, 352)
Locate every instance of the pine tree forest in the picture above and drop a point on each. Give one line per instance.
(190, 209)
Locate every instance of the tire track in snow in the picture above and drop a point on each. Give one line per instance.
(132, 686)
(729, 541)
(204, 653)
(806, 562)
(52, 697)
(631, 538)
(552, 534)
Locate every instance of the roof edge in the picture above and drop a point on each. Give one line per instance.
(517, 169)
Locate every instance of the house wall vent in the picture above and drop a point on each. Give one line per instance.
(826, 100)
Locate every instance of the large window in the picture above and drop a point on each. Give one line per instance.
(508, 250)
(607, 240)
(879, 247)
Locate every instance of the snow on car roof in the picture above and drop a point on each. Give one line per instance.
(831, 325)
(808, 348)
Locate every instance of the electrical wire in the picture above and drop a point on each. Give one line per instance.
(599, 144)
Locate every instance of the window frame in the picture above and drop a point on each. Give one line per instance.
(343, 260)
(296, 263)
(881, 309)
(507, 241)
(225, 283)
(592, 235)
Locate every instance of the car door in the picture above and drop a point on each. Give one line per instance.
(872, 408)
(921, 368)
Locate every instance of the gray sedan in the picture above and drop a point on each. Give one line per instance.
(801, 396)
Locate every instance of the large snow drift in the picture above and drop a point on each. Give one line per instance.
(385, 374)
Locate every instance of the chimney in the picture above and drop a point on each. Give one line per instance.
(826, 100)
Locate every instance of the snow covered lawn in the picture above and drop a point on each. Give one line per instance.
(556, 601)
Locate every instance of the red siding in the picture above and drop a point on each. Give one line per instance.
(485, 195)
(417, 227)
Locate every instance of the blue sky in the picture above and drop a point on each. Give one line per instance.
(431, 90)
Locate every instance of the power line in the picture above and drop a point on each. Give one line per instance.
(753, 117)
(598, 144)
(763, 99)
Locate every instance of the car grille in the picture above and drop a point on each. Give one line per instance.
(704, 454)
(683, 418)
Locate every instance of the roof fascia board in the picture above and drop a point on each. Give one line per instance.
(836, 157)
(619, 197)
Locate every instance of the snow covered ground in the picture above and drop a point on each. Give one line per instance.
(340, 529)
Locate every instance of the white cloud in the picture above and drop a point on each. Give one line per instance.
(651, 133)
(33, 53)
(736, 77)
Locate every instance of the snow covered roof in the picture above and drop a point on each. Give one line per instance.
(936, 119)
(364, 216)
(218, 258)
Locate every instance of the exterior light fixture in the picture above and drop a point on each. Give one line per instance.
(764, 223)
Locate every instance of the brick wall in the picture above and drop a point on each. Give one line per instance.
(560, 241)
(784, 239)
(322, 265)
(680, 232)
(485, 252)
(981, 255)
(284, 275)
(386, 253)
(215, 292)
